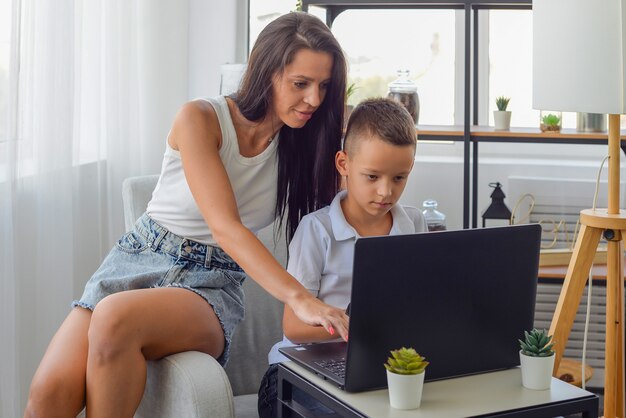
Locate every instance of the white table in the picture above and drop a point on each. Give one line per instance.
(495, 394)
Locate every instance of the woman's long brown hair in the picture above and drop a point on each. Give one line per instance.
(307, 178)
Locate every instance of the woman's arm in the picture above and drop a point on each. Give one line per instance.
(197, 136)
(308, 252)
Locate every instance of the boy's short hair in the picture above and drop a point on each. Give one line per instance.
(385, 118)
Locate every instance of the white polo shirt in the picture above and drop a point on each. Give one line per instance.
(321, 254)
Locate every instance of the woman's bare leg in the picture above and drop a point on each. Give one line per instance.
(131, 327)
(58, 387)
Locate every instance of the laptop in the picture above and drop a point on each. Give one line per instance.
(460, 298)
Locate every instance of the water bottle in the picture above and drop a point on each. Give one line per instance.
(436, 220)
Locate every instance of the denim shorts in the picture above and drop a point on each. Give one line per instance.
(151, 256)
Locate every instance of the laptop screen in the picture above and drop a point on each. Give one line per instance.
(460, 298)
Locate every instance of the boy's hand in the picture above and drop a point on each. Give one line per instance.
(312, 311)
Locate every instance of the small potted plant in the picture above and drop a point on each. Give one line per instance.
(537, 359)
(405, 378)
(502, 117)
(550, 121)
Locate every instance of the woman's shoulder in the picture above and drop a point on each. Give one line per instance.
(197, 110)
(197, 119)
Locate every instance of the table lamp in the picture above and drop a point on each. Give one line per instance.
(579, 65)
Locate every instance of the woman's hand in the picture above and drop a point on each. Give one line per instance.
(315, 312)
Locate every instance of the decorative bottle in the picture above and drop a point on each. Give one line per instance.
(436, 220)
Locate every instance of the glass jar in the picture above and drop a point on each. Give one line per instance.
(435, 220)
(550, 120)
(404, 90)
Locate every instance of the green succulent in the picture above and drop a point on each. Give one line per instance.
(537, 343)
(406, 361)
(551, 120)
(502, 102)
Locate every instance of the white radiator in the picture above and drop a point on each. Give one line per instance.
(557, 204)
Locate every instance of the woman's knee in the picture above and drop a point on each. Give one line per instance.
(110, 330)
(49, 392)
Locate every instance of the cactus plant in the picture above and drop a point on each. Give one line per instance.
(502, 103)
(537, 343)
(406, 361)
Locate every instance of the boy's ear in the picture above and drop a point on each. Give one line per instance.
(341, 162)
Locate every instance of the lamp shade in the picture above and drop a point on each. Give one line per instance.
(579, 52)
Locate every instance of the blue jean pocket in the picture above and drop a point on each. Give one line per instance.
(132, 243)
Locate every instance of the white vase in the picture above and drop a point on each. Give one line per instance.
(502, 119)
(405, 390)
(536, 371)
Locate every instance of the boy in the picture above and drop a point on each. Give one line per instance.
(377, 157)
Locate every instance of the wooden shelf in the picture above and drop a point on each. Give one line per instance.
(489, 134)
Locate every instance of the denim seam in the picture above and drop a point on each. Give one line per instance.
(78, 303)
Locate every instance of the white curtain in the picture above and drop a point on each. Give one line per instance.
(93, 88)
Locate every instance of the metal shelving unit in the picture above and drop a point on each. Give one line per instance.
(469, 132)
(470, 117)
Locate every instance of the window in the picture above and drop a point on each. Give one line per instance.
(422, 41)
(430, 44)
(511, 66)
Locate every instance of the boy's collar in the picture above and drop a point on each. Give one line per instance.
(342, 230)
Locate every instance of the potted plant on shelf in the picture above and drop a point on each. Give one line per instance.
(550, 121)
(405, 378)
(537, 359)
(502, 117)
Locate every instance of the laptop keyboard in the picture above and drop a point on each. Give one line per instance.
(335, 366)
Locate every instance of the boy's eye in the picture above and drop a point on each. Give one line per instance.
(399, 178)
(371, 176)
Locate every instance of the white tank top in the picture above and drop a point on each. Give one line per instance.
(253, 181)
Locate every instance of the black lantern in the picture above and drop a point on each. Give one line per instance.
(497, 209)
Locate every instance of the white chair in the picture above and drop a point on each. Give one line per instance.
(193, 384)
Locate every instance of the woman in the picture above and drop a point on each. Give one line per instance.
(232, 165)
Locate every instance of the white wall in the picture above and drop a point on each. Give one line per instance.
(164, 62)
(218, 34)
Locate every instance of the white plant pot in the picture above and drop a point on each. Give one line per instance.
(502, 119)
(405, 390)
(536, 371)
